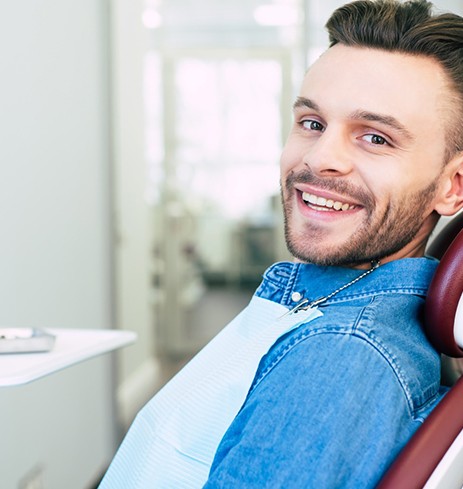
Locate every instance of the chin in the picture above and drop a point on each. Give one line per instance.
(313, 255)
(314, 250)
(347, 255)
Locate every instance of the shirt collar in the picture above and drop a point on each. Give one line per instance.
(408, 275)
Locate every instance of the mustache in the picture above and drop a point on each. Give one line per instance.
(336, 185)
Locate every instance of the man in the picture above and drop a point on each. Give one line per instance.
(373, 159)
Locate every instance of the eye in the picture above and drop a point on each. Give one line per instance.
(312, 125)
(375, 139)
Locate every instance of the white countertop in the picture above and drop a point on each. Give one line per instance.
(71, 346)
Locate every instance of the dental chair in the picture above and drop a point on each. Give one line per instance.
(433, 458)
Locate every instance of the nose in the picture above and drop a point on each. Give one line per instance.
(331, 154)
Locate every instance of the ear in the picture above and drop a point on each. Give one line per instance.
(451, 187)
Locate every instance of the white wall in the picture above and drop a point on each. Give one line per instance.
(134, 220)
(55, 252)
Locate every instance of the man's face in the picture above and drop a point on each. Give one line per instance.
(361, 168)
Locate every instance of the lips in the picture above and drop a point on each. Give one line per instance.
(324, 204)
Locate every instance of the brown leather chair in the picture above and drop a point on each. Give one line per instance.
(433, 458)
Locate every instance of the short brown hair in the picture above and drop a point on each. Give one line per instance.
(409, 27)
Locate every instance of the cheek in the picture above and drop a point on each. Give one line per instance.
(290, 158)
(385, 183)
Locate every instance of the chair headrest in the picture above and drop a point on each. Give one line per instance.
(444, 302)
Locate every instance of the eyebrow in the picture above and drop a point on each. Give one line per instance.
(305, 102)
(387, 120)
(362, 115)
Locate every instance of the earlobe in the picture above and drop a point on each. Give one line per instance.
(451, 200)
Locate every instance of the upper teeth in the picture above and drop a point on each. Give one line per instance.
(329, 203)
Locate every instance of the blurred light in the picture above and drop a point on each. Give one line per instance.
(276, 15)
(151, 18)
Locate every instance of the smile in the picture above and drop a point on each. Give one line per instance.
(322, 204)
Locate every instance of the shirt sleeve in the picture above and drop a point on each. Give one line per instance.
(330, 413)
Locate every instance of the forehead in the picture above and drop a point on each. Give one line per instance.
(347, 79)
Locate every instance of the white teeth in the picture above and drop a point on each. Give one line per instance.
(329, 203)
(312, 198)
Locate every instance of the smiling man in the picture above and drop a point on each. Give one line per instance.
(363, 168)
(325, 376)
(373, 159)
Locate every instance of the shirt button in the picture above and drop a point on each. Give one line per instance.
(296, 296)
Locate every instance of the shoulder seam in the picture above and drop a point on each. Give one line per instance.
(305, 335)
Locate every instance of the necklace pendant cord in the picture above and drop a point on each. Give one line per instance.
(304, 304)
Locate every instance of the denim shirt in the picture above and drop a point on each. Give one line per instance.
(335, 400)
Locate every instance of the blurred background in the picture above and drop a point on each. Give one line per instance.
(140, 142)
